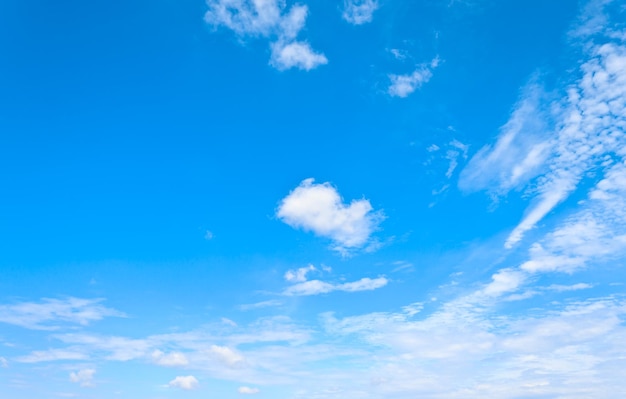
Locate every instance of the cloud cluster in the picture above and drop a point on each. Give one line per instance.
(269, 19)
(319, 208)
(558, 149)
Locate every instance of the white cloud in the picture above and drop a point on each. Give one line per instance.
(573, 287)
(184, 382)
(248, 390)
(169, 360)
(4, 362)
(48, 314)
(589, 130)
(358, 12)
(227, 356)
(295, 55)
(403, 85)
(83, 377)
(269, 19)
(319, 208)
(518, 153)
(316, 287)
(260, 305)
(52, 355)
(299, 275)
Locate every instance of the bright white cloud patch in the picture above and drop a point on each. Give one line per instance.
(319, 208)
(316, 287)
(269, 19)
(184, 382)
(50, 314)
(403, 85)
(248, 390)
(83, 377)
(358, 12)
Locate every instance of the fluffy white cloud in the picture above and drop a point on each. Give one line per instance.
(295, 55)
(227, 356)
(320, 208)
(83, 377)
(269, 19)
(316, 287)
(358, 12)
(248, 390)
(50, 313)
(170, 360)
(184, 382)
(403, 85)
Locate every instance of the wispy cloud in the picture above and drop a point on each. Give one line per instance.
(358, 12)
(299, 275)
(83, 377)
(319, 208)
(403, 85)
(248, 390)
(269, 19)
(260, 305)
(316, 287)
(588, 130)
(172, 359)
(52, 314)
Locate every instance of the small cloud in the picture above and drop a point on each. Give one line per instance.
(83, 377)
(248, 390)
(184, 382)
(295, 55)
(47, 314)
(228, 322)
(358, 12)
(320, 208)
(208, 235)
(227, 356)
(316, 287)
(399, 54)
(299, 275)
(403, 85)
(574, 287)
(3, 362)
(172, 359)
(433, 148)
(260, 305)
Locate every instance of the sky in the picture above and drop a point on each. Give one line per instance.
(316, 199)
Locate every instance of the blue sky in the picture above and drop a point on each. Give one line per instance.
(314, 199)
